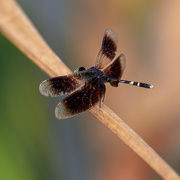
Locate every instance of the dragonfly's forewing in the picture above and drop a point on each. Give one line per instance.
(60, 85)
(108, 49)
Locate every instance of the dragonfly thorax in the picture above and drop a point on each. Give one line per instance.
(94, 72)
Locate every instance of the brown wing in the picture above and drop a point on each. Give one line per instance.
(81, 100)
(116, 69)
(60, 85)
(108, 49)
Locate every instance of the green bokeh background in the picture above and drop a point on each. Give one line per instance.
(24, 129)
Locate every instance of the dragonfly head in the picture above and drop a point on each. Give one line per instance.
(79, 69)
(78, 73)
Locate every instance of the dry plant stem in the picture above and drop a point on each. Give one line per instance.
(18, 29)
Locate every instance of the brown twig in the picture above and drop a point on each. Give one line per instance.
(18, 29)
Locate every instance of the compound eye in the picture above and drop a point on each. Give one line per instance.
(81, 68)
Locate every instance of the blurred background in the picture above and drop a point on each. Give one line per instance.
(35, 145)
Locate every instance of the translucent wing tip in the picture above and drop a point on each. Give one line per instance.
(110, 33)
(44, 88)
(61, 111)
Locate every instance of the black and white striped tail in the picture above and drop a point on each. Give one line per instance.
(139, 84)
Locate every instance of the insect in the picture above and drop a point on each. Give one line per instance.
(87, 87)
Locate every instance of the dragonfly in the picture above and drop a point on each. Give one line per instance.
(86, 88)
